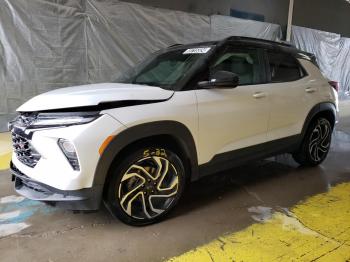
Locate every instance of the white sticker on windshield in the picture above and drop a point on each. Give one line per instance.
(199, 50)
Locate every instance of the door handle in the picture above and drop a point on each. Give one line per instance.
(310, 90)
(259, 95)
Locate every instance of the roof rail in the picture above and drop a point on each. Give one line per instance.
(259, 40)
(174, 45)
(288, 43)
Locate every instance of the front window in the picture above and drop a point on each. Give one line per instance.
(167, 70)
(243, 62)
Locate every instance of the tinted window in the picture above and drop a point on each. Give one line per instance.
(244, 63)
(284, 68)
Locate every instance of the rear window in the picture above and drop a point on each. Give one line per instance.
(284, 68)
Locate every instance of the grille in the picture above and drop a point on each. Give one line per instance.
(24, 151)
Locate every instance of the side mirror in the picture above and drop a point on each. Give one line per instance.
(221, 79)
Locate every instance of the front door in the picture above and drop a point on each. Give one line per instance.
(233, 118)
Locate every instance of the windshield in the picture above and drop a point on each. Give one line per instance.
(167, 69)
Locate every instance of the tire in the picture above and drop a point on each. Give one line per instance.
(145, 186)
(316, 143)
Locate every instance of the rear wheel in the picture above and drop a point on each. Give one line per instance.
(316, 143)
(145, 186)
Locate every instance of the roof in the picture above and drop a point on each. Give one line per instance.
(280, 45)
(252, 40)
(248, 40)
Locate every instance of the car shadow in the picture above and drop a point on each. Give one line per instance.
(259, 180)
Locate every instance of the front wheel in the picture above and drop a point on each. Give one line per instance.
(316, 143)
(145, 186)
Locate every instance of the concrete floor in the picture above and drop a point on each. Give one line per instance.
(212, 207)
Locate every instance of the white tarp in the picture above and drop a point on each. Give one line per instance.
(332, 52)
(225, 26)
(48, 44)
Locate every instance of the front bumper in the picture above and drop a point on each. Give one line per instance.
(51, 178)
(83, 199)
(52, 167)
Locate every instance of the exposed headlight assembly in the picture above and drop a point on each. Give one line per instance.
(63, 119)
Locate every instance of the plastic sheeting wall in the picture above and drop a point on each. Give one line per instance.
(225, 26)
(332, 52)
(47, 44)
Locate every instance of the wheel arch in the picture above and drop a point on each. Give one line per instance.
(172, 133)
(326, 109)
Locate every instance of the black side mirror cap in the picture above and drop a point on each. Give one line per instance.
(221, 79)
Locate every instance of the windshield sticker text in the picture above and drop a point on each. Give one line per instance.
(200, 50)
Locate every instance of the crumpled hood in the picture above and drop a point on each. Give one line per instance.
(94, 94)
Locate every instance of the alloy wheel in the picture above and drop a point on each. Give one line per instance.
(320, 140)
(148, 187)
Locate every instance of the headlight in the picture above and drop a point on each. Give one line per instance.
(63, 119)
(68, 150)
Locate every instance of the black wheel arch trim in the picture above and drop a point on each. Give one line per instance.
(319, 108)
(143, 131)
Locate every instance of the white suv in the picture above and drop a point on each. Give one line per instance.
(187, 111)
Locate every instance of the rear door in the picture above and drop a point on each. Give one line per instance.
(292, 94)
(233, 118)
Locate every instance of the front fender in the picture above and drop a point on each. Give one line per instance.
(133, 134)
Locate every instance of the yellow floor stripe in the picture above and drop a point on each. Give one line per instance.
(5, 150)
(5, 161)
(315, 230)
